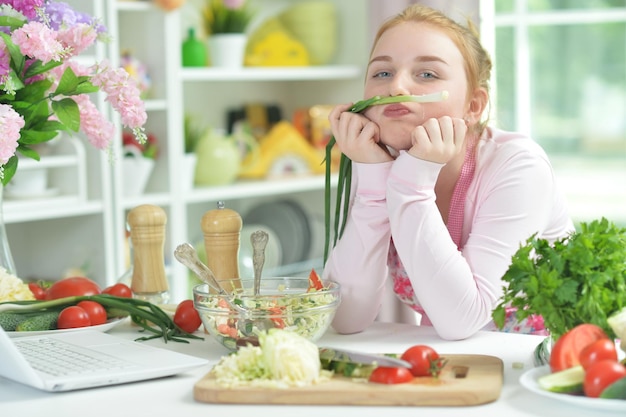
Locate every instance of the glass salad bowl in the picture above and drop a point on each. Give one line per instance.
(283, 302)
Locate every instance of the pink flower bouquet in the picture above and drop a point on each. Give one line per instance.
(43, 91)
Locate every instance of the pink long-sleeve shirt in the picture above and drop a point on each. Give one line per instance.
(451, 274)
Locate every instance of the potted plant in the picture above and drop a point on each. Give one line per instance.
(138, 163)
(225, 23)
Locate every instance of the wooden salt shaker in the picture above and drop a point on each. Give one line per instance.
(147, 234)
(222, 230)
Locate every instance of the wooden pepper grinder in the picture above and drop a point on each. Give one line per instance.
(222, 230)
(147, 234)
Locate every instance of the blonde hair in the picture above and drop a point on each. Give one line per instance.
(466, 38)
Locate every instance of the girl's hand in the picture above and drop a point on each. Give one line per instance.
(357, 137)
(438, 140)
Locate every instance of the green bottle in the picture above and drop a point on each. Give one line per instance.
(194, 51)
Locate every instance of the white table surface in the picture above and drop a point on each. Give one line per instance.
(173, 396)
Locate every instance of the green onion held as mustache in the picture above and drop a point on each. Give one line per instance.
(345, 166)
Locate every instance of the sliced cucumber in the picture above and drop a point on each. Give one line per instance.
(617, 322)
(615, 391)
(349, 369)
(567, 381)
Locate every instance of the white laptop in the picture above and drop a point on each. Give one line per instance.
(82, 354)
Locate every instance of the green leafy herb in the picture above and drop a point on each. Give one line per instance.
(577, 279)
(345, 166)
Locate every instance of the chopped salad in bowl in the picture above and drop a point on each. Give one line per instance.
(302, 305)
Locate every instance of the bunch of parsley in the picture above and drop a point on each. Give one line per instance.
(574, 280)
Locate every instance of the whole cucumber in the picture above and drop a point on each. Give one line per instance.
(43, 321)
(9, 321)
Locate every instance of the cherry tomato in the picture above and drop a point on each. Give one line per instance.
(97, 314)
(72, 317)
(119, 290)
(425, 360)
(566, 351)
(596, 351)
(390, 375)
(38, 291)
(600, 375)
(186, 316)
(69, 287)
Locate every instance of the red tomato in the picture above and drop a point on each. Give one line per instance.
(186, 316)
(38, 292)
(315, 282)
(425, 360)
(600, 375)
(566, 351)
(119, 290)
(69, 287)
(275, 317)
(97, 314)
(596, 351)
(390, 375)
(72, 317)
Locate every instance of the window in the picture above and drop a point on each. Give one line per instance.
(560, 76)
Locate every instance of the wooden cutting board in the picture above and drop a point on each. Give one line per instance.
(465, 380)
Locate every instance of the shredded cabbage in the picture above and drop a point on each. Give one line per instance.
(283, 359)
(290, 357)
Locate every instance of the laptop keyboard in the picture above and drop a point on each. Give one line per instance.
(59, 358)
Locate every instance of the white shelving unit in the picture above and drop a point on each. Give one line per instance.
(92, 230)
(65, 173)
(209, 92)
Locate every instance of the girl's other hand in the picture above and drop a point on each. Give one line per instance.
(357, 137)
(438, 140)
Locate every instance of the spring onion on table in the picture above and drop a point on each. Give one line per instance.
(345, 164)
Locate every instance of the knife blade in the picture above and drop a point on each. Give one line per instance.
(343, 355)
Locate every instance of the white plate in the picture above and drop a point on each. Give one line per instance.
(100, 328)
(529, 381)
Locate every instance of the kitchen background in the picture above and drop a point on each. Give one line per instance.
(569, 95)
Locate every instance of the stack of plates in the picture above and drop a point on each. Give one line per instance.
(273, 250)
(289, 222)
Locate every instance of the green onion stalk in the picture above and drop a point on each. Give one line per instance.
(150, 317)
(345, 167)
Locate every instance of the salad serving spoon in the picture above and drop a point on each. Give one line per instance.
(186, 254)
(259, 242)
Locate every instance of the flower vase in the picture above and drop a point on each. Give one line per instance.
(219, 159)
(136, 171)
(227, 50)
(6, 258)
(189, 170)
